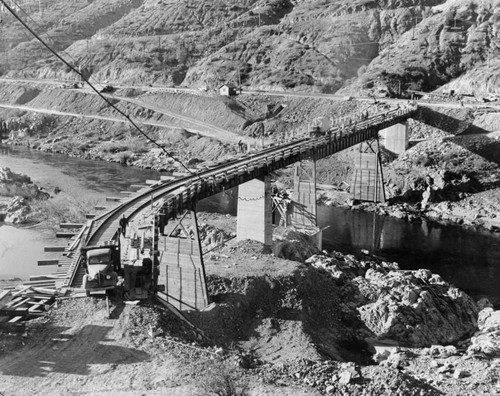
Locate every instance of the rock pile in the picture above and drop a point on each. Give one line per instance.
(415, 308)
(211, 236)
(344, 378)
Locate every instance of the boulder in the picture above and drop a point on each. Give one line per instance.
(407, 307)
(18, 211)
(486, 341)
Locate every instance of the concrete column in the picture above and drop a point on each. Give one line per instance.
(255, 211)
(395, 138)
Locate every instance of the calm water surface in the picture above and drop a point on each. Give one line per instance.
(87, 181)
(469, 259)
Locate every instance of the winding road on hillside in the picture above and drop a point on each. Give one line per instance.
(193, 125)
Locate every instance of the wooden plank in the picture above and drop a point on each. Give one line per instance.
(65, 234)
(40, 301)
(113, 199)
(38, 307)
(19, 303)
(12, 302)
(48, 262)
(54, 248)
(4, 294)
(42, 290)
(45, 277)
(70, 225)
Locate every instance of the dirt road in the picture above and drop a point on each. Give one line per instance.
(87, 353)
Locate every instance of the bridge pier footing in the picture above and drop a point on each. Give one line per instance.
(255, 211)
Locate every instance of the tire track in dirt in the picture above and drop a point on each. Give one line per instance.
(91, 356)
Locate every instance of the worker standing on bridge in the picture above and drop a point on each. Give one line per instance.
(123, 225)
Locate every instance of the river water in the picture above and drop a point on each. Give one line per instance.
(468, 259)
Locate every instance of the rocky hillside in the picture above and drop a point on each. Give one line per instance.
(312, 45)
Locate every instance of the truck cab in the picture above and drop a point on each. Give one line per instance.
(102, 266)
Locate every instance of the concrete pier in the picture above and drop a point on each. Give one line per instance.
(254, 211)
(395, 138)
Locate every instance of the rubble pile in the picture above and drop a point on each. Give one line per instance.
(485, 343)
(212, 237)
(344, 378)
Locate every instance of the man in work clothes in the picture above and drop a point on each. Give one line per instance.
(123, 225)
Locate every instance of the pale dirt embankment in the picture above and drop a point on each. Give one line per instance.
(274, 326)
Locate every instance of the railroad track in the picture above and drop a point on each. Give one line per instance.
(183, 193)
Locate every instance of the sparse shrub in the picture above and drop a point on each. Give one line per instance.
(123, 157)
(113, 147)
(422, 160)
(221, 382)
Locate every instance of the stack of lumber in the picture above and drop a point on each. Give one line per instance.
(25, 303)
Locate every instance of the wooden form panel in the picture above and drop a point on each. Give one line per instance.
(368, 182)
(182, 271)
(304, 195)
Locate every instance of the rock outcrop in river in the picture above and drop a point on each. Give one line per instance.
(17, 210)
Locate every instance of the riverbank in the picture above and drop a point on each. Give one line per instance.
(478, 211)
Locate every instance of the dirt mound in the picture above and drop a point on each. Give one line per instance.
(281, 317)
(295, 246)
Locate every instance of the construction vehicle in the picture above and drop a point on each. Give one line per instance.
(102, 266)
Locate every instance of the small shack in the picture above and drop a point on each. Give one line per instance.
(227, 90)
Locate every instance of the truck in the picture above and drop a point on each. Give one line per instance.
(102, 266)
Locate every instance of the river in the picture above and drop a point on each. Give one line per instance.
(469, 259)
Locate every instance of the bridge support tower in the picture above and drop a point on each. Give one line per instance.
(395, 138)
(304, 195)
(255, 211)
(304, 216)
(368, 183)
(182, 279)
